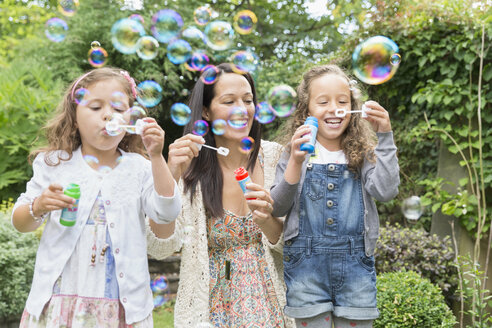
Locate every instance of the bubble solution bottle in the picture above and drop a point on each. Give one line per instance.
(242, 177)
(313, 123)
(69, 215)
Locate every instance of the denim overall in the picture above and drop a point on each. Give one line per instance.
(325, 267)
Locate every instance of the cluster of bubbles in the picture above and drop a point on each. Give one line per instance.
(93, 162)
(160, 290)
(412, 208)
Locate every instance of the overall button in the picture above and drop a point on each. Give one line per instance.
(286, 258)
(331, 186)
(288, 242)
(309, 166)
(329, 203)
(124, 299)
(331, 167)
(111, 225)
(330, 221)
(121, 275)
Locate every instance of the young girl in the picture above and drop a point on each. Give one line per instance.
(332, 223)
(94, 273)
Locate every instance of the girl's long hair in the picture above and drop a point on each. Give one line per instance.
(205, 168)
(61, 131)
(358, 140)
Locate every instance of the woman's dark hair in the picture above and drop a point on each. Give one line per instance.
(205, 168)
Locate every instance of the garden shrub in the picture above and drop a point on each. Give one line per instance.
(416, 250)
(17, 257)
(405, 299)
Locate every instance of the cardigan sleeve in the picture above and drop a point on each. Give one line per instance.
(159, 248)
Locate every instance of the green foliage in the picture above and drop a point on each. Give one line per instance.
(416, 250)
(28, 94)
(164, 315)
(17, 257)
(407, 300)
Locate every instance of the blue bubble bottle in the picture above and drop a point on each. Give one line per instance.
(313, 123)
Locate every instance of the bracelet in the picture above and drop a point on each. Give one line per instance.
(36, 218)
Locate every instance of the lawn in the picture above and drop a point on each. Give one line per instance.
(164, 315)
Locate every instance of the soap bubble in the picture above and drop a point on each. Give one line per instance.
(202, 15)
(68, 7)
(200, 128)
(80, 96)
(193, 35)
(219, 127)
(372, 60)
(147, 47)
(245, 21)
(178, 51)
(219, 35)
(160, 289)
(264, 113)
(125, 34)
(97, 57)
(166, 25)
(56, 29)
(149, 93)
(95, 44)
(197, 62)
(238, 118)
(138, 18)
(104, 169)
(246, 144)
(113, 126)
(412, 208)
(91, 160)
(282, 100)
(136, 112)
(395, 59)
(209, 74)
(180, 114)
(118, 100)
(244, 61)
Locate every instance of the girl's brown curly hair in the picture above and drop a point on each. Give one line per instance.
(61, 131)
(358, 140)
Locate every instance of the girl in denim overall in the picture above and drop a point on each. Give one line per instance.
(332, 222)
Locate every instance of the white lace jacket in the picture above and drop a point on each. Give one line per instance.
(192, 303)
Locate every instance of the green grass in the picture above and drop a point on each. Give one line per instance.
(164, 315)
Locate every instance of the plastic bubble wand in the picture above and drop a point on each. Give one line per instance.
(221, 150)
(112, 127)
(341, 112)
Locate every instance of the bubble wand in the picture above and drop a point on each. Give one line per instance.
(113, 127)
(221, 150)
(341, 112)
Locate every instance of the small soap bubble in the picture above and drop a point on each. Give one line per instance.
(160, 289)
(197, 62)
(209, 74)
(118, 100)
(56, 29)
(200, 128)
(412, 208)
(138, 18)
(113, 126)
(244, 61)
(372, 60)
(219, 35)
(193, 35)
(202, 15)
(80, 96)
(104, 169)
(135, 113)
(68, 7)
(147, 47)
(245, 21)
(166, 25)
(91, 160)
(119, 160)
(180, 114)
(178, 51)
(219, 127)
(282, 100)
(95, 44)
(125, 34)
(97, 57)
(264, 113)
(185, 92)
(395, 59)
(149, 93)
(238, 118)
(246, 144)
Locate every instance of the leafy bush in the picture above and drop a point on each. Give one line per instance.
(17, 257)
(416, 250)
(405, 299)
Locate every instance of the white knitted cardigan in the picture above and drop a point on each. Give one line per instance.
(192, 302)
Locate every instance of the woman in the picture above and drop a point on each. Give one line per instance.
(231, 262)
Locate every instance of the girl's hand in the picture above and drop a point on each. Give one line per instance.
(297, 140)
(262, 206)
(181, 152)
(51, 199)
(153, 137)
(378, 117)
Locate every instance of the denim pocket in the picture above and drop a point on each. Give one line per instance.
(293, 259)
(367, 262)
(315, 188)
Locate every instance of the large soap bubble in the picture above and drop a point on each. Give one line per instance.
(219, 35)
(125, 34)
(166, 25)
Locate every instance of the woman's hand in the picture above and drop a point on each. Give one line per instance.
(153, 137)
(378, 117)
(51, 199)
(261, 205)
(300, 136)
(181, 152)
